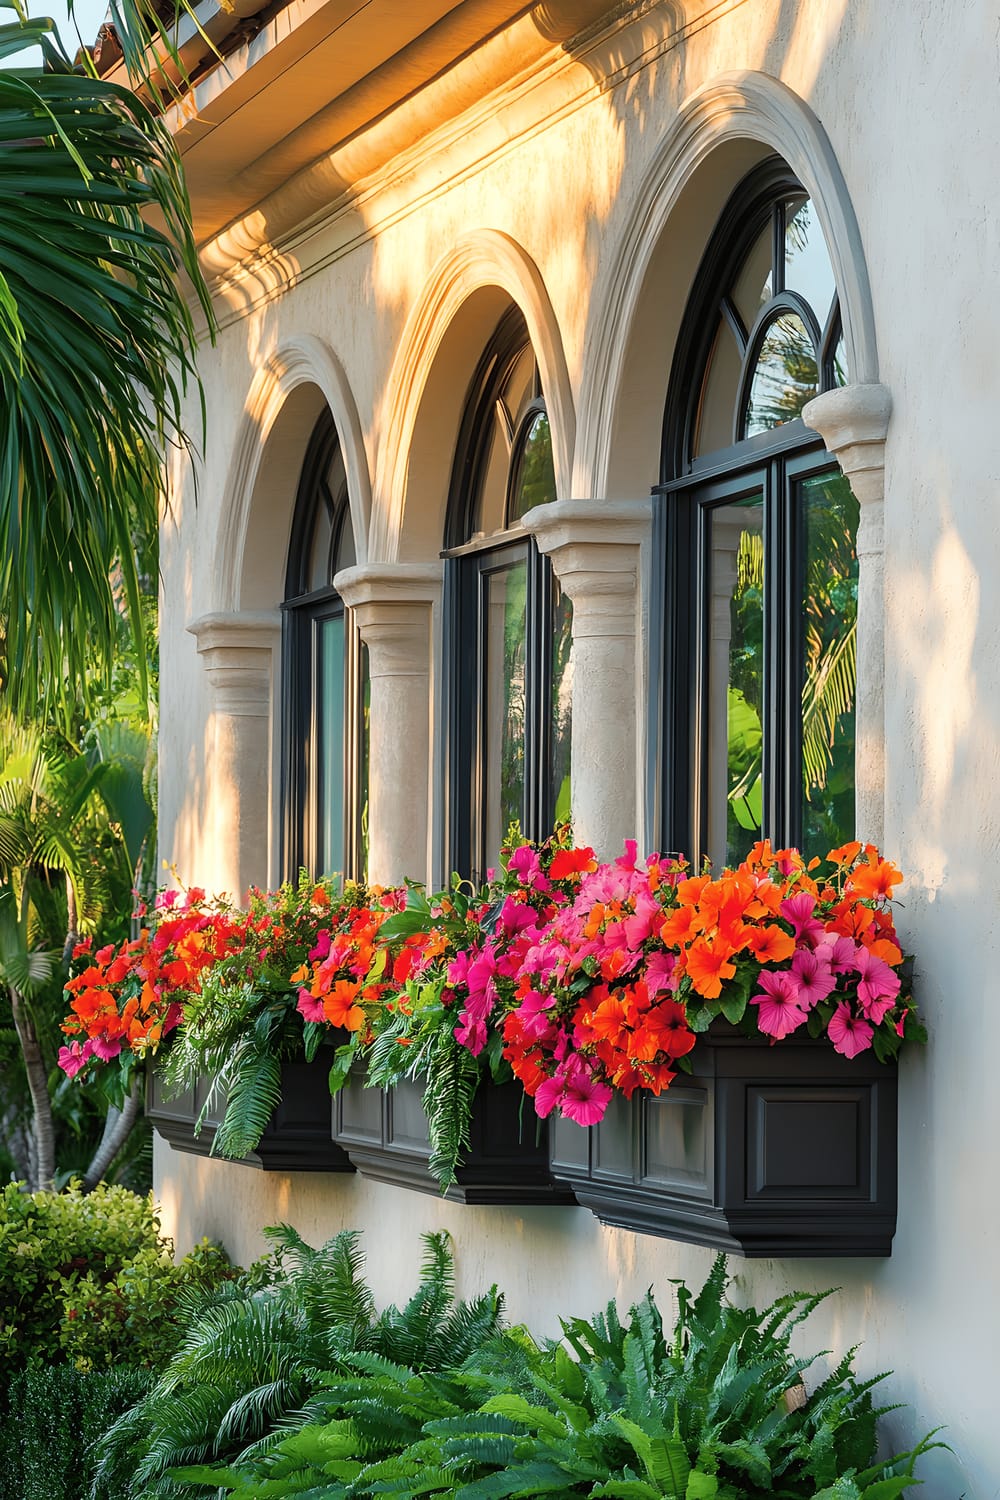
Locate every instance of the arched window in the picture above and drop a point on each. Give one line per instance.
(757, 528)
(508, 650)
(325, 686)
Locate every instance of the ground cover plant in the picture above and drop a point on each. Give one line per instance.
(719, 1408)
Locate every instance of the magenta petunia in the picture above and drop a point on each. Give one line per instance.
(848, 1033)
(548, 1094)
(839, 952)
(585, 1100)
(322, 948)
(878, 986)
(107, 1048)
(798, 911)
(660, 973)
(75, 1056)
(778, 1009)
(647, 918)
(471, 1033)
(526, 865)
(815, 978)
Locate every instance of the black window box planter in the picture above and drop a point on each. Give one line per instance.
(297, 1139)
(384, 1131)
(784, 1150)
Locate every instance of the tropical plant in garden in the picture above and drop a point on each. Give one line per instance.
(61, 866)
(719, 1409)
(263, 1349)
(96, 349)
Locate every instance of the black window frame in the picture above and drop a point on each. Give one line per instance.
(304, 611)
(773, 463)
(471, 559)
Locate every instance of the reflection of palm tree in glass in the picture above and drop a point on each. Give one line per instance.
(786, 376)
(514, 711)
(830, 613)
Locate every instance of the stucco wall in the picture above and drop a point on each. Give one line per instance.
(572, 166)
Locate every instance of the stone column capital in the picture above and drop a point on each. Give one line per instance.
(238, 653)
(391, 604)
(594, 549)
(853, 421)
(381, 586)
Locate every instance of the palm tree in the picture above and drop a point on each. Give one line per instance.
(96, 350)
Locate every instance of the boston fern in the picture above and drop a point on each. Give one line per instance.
(717, 1411)
(261, 1355)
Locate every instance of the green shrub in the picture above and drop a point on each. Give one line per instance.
(716, 1412)
(89, 1279)
(50, 1418)
(262, 1347)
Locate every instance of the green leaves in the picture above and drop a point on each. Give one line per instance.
(96, 353)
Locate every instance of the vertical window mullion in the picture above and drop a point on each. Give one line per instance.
(537, 814)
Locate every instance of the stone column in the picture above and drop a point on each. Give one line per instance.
(853, 421)
(394, 607)
(238, 652)
(594, 546)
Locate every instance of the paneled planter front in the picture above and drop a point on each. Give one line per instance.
(784, 1150)
(297, 1139)
(385, 1134)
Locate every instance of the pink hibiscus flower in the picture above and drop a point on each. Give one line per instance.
(309, 1008)
(74, 1057)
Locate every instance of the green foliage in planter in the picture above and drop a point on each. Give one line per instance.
(715, 1412)
(49, 1418)
(262, 1347)
(242, 1021)
(88, 1279)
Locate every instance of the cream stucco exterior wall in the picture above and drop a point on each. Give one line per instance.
(584, 188)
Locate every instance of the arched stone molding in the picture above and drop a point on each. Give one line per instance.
(285, 399)
(717, 136)
(444, 337)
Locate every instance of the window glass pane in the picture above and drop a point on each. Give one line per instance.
(535, 480)
(561, 707)
(505, 704)
(492, 498)
(829, 601)
(330, 750)
(346, 555)
(717, 407)
(754, 286)
(807, 262)
(840, 372)
(785, 378)
(317, 569)
(519, 387)
(735, 678)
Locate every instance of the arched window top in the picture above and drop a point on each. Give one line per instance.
(504, 463)
(763, 331)
(322, 538)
